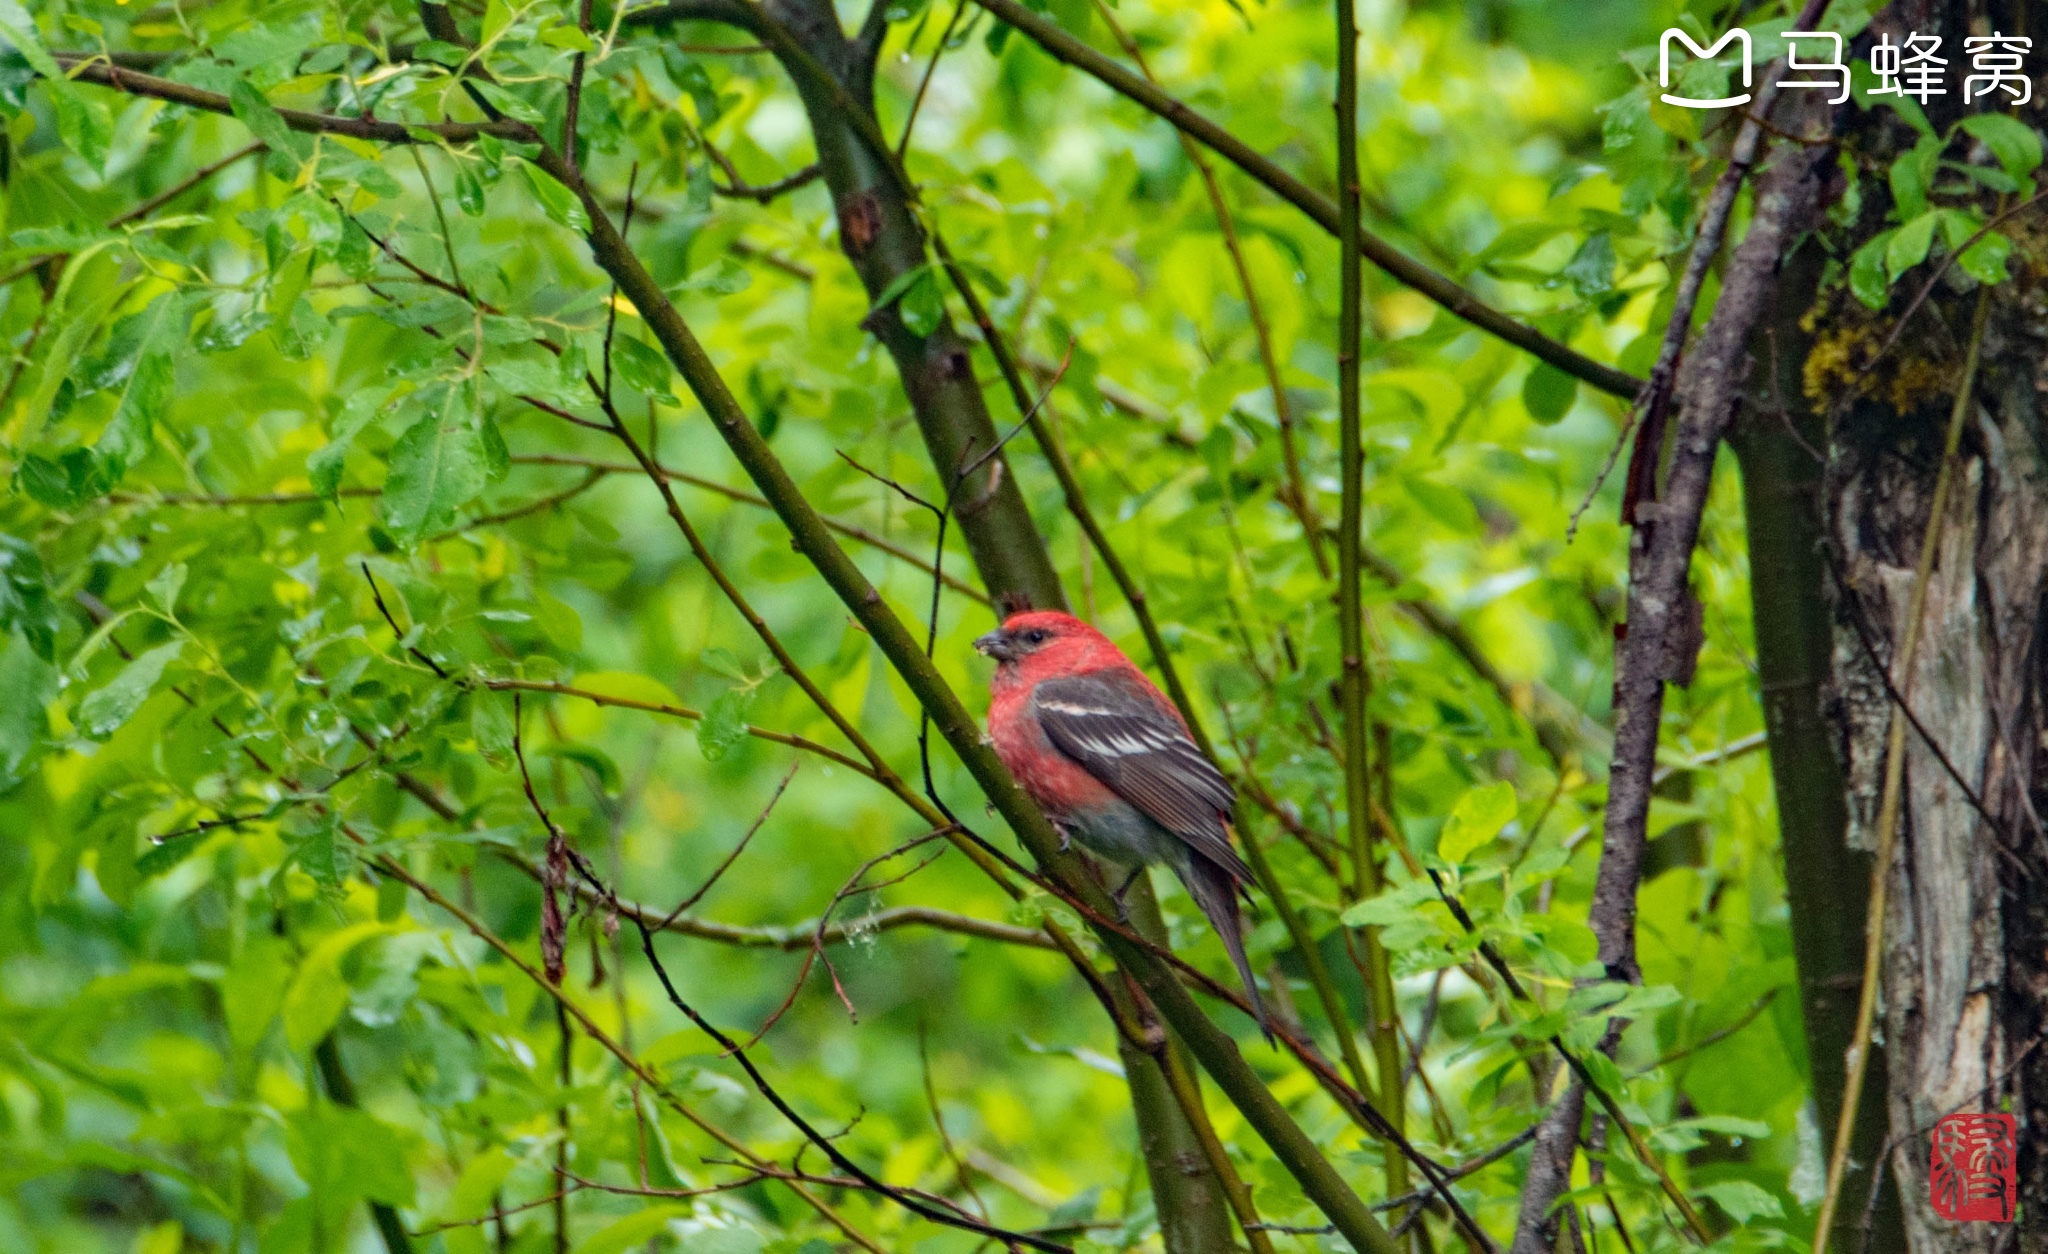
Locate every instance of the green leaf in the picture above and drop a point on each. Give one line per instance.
(923, 306)
(469, 191)
(692, 78)
(1985, 260)
(1394, 905)
(1477, 818)
(514, 107)
(1910, 176)
(27, 684)
(1076, 1210)
(319, 992)
(641, 366)
(343, 1153)
(569, 38)
(1548, 393)
(1591, 269)
(324, 465)
(490, 724)
(262, 120)
(901, 284)
(560, 203)
(1742, 1200)
(596, 760)
(20, 29)
(497, 16)
(724, 724)
(1956, 227)
(634, 1229)
(324, 854)
(2013, 144)
(482, 1176)
(84, 122)
(438, 465)
(146, 392)
(164, 587)
(105, 709)
(1867, 277)
(1909, 245)
(25, 603)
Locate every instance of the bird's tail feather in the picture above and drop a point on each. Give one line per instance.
(1215, 891)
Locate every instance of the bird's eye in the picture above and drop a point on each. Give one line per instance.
(1034, 636)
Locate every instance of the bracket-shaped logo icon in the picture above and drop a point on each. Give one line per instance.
(1738, 35)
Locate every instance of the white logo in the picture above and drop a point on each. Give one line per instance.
(1738, 35)
(1833, 65)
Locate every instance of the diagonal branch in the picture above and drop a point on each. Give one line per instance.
(1662, 637)
(1656, 400)
(136, 83)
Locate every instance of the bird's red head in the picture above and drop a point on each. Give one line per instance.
(1051, 642)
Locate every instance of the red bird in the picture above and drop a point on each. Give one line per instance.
(1109, 760)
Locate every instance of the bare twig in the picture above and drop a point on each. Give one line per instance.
(923, 84)
(939, 1214)
(711, 880)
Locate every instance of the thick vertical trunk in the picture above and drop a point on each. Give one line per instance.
(1965, 957)
(1964, 934)
(1777, 442)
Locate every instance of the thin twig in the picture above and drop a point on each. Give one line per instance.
(931, 67)
(931, 1098)
(711, 880)
(952, 1218)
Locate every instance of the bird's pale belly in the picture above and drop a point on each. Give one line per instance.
(1125, 836)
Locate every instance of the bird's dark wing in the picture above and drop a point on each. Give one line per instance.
(1120, 731)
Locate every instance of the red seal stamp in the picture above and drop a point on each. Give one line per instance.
(1974, 1173)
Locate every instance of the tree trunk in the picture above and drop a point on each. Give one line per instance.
(1777, 443)
(1965, 973)
(1965, 958)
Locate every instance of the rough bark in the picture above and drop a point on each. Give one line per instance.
(1963, 962)
(1777, 442)
(1550, 1173)
(1965, 953)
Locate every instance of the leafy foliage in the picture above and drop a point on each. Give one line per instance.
(316, 527)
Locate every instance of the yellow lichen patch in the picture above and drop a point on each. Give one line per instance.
(1845, 357)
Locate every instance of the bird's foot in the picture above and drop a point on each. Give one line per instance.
(1066, 837)
(1123, 909)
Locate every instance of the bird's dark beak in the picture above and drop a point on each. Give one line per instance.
(996, 644)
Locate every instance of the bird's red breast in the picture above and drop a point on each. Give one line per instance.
(1060, 785)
